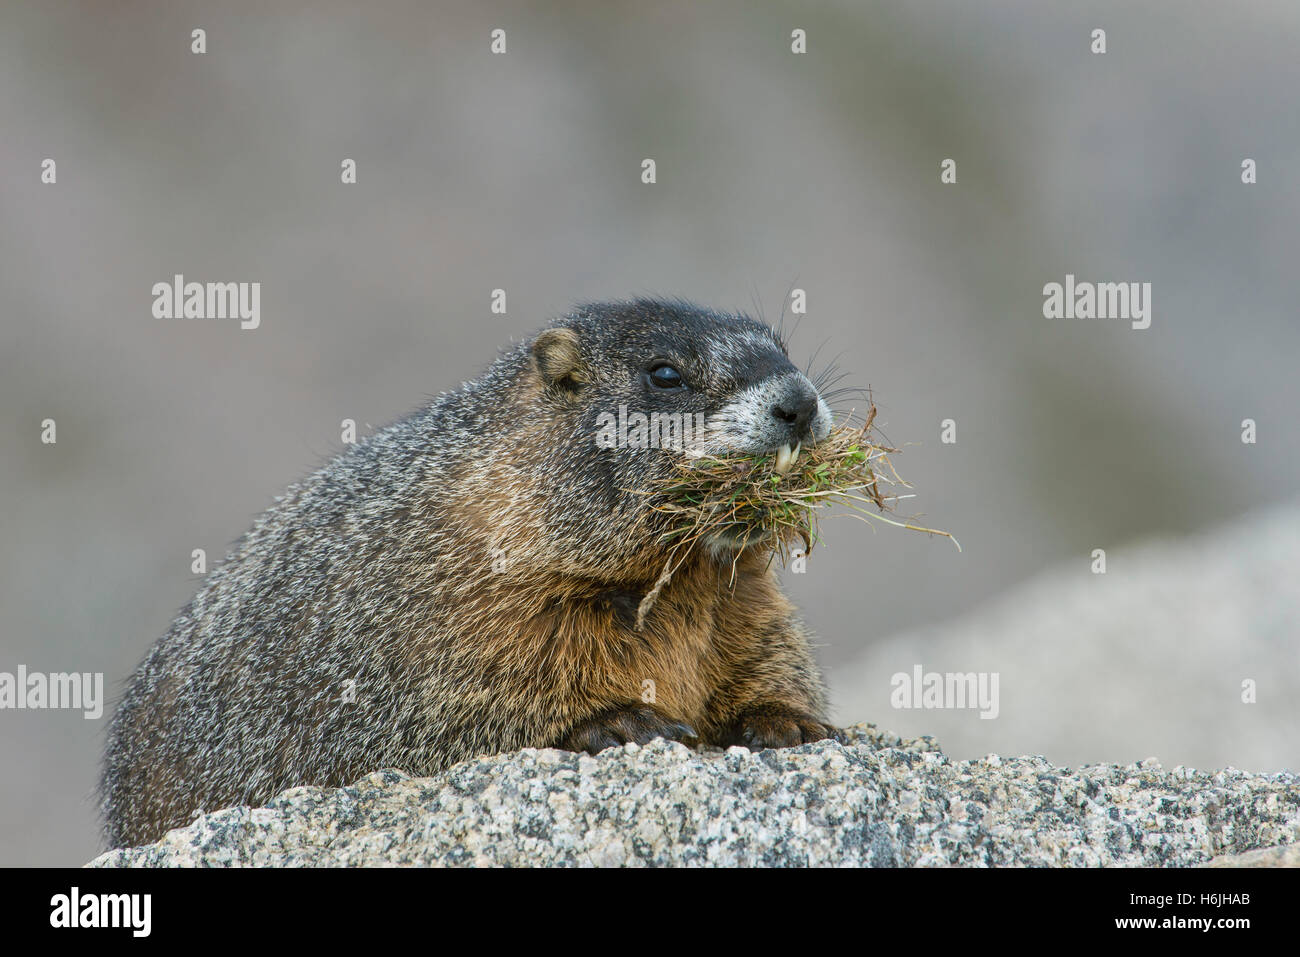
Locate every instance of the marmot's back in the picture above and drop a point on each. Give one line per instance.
(467, 580)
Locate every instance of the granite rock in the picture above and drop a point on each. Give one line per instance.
(875, 800)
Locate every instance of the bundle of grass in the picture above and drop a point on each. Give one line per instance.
(775, 500)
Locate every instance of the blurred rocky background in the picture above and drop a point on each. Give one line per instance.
(775, 170)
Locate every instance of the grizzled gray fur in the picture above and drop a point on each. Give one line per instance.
(465, 582)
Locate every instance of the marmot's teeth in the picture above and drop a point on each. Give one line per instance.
(785, 458)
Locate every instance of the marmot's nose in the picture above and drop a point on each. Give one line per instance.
(796, 410)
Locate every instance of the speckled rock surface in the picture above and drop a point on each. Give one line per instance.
(1284, 855)
(877, 800)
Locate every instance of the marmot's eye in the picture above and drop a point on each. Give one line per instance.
(665, 376)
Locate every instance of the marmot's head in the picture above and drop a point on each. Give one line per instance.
(633, 388)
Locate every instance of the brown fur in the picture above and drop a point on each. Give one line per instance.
(383, 572)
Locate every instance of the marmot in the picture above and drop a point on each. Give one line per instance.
(466, 581)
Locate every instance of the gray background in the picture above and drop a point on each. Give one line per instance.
(522, 171)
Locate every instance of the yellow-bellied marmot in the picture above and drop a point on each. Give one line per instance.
(467, 581)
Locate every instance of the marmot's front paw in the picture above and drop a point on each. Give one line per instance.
(637, 723)
(775, 726)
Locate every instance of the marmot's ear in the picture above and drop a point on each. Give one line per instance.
(558, 358)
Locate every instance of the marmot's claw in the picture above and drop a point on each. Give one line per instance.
(775, 726)
(640, 724)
